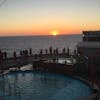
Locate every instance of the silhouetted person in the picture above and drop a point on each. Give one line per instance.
(54, 51)
(75, 52)
(21, 53)
(57, 51)
(65, 62)
(63, 51)
(68, 51)
(5, 55)
(25, 52)
(30, 51)
(46, 51)
(14, 55)
(50, 50)
(0, 56)
(41, 51)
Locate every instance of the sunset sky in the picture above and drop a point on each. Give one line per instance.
(41, 17)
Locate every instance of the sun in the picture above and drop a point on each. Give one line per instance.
(54, 32)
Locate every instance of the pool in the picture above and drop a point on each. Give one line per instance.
(41, 86)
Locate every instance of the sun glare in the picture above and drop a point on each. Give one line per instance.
(54, 32)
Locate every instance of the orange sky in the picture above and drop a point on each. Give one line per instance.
(40, 17)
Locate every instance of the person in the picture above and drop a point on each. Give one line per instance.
(0, 56)
(68, 51)
(57, 51)
(26, 52)
(75, 52)
(54, 51)
(14, 54)
(63, 51)
(5, 55)
(30, 51)
(50, 50)
(46, 51)
(41, 51)
(21, 53)
(65, 62)
(1, 67)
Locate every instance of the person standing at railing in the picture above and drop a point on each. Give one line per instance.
(14, 55)
(0, 56)
(30, 51)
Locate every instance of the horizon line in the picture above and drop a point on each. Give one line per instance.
(38, 35)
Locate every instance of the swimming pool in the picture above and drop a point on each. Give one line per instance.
(41, 86)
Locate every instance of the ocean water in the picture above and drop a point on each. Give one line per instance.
(11, 44)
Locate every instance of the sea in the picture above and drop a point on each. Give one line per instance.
(18, 43)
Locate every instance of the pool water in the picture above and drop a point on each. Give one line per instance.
(41, 86)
